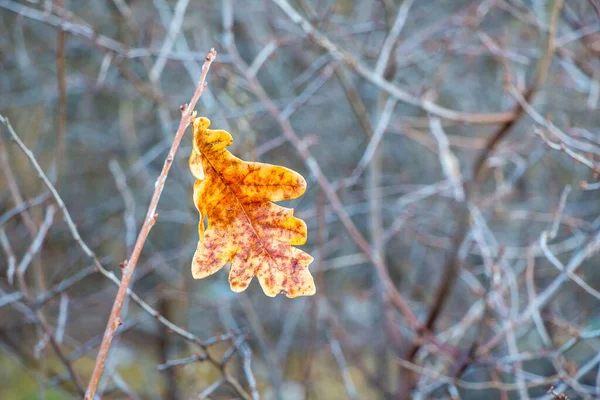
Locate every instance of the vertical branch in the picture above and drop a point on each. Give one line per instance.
(61, 120)
(151, 216)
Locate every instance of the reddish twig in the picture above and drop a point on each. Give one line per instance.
(187, 114)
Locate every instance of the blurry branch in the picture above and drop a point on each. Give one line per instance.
(49, 334)
(536, 316)
(589, 186)
(375, 139)
(206, 393)
(427, 141)
(38, 235)
(12, 266)
(68, 26)
(587, 367)
(126, 12)
(61, 118)
(336, 350)
(563, 147)
(14, 191)
(23, 265)
(125, 190)
(167, 46)
(62, 317)
(29, 363)
(272, 363)
(182, 361)
(377, 80)
(86, 31)
(63, 286)
(307, 93)
(356, 103)
(262, 56)
(390, 40)
(474, 385)
(562, 136)
(36, 244)
(25, 205)
(551, 234)
(531, 294)
(592, 247)
(246, 354)
(596, 7)
(543, 67)
(453, 263)
(449, 162)
(372, 159)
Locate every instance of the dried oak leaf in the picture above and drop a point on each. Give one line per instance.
(244, 226)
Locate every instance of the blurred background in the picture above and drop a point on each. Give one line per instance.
(451, 150)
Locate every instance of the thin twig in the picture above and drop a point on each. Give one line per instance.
(36, 244)
(449, 162)
(246, 353)
(209, 390)
(23, 206)
(129, 214)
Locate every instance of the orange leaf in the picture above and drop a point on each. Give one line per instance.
(244, 226)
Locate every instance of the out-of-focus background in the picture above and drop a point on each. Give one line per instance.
(451, 150)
